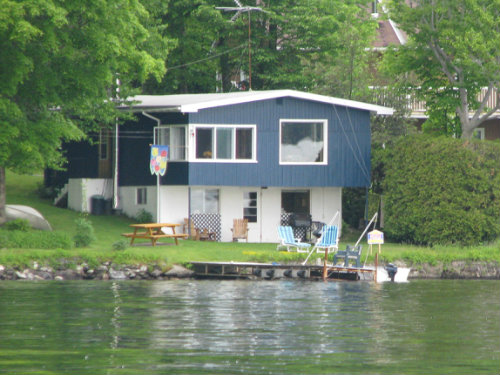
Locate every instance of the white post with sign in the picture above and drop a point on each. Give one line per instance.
(375, 237)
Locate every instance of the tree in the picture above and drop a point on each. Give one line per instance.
(342, 67)
(453, 52)
(196, 27)
(59, 64)
(318, 46)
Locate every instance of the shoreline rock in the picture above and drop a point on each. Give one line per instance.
(103, 272)
(107, 271)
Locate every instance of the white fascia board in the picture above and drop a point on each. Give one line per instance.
(274, 94)
(190, 103)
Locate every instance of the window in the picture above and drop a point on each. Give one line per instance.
(173, 136)
(142, 195)
(225, 143)
(103, 144)
(303, 141)
(298, 202)
(204, 201)
(478, 133)
(250, 206)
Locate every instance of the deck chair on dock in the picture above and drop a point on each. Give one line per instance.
(349, 254)
(289, 242)
(329, 240)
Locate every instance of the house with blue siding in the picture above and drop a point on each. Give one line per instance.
(261, 155)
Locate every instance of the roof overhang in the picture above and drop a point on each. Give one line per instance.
(191, 103)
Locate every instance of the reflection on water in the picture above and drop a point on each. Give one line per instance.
(228, 327)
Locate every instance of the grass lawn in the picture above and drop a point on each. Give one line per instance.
(21, 189)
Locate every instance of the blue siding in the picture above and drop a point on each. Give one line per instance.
(348, 146)
(136, 138)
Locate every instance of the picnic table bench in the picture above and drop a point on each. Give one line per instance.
(153, 232)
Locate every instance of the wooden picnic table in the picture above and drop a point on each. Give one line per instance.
(154, 232)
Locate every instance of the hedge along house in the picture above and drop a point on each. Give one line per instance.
(259, 155)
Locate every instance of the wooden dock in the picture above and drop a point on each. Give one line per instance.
(274, 271)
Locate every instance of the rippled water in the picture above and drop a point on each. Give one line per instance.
(244, 327)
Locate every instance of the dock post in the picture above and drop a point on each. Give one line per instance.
(376, 266)
(325, 272)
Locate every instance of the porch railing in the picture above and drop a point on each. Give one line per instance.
(417, 108)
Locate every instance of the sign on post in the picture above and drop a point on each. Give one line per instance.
(375, 237)
(158, 160)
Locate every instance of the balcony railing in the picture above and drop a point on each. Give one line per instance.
(417, 108)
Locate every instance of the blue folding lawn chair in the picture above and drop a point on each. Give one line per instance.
(329, 240)
(290, 242)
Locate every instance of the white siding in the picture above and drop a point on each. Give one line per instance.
(81, 190)
(174, 201)
(127, 201)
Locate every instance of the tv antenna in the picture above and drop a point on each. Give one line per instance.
(239, 9)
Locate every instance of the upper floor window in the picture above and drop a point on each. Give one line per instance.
(233, 143)
(175, 137)
(303, 141)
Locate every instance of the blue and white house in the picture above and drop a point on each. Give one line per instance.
(259, 155)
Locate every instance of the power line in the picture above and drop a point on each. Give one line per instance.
(207, 58)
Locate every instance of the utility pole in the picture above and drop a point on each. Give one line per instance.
(241, 9)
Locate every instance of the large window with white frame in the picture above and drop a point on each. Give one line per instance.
(175, 137)
(303, 141)
(225, 143)
(204, 201)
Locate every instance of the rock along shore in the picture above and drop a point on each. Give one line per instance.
(110, 271)
(106, 271)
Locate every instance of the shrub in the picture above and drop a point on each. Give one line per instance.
(442, 190)
(120, 245)
(46, 192)
(84, 232)
(144, 217)
(35, 240)
(22, 225)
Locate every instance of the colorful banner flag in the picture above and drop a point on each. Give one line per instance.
(158, 162)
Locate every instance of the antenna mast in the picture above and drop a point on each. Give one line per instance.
(241, 9)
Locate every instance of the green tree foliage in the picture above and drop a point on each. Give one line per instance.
(452, 53)
(58, 67)
(442, 190)
(314, 45)
(195, 26)
(341, 66)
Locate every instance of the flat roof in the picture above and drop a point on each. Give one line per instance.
(189, 103)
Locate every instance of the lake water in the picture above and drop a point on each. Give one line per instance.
(246, 327)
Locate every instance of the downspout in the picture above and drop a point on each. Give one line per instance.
(116, 200)
(158, 122)
(115, 174)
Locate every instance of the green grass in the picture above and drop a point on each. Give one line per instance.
(22, 190)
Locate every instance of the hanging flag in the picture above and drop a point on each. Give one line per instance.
(158, 162)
